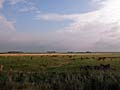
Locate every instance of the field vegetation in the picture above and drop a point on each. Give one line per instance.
(94, 71)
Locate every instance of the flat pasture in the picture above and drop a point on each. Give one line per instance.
(57, 61)
(60, 71)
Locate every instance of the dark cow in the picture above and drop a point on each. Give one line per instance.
(101, 67)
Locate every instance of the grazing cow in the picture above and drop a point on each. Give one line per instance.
(101, 58)
(81, 58)
(105, 67)
(1, 68)
(87, 58)
(101, 67)
(70, 56)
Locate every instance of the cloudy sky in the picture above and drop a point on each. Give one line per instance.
(60, 25)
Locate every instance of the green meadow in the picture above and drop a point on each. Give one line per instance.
(94, 71)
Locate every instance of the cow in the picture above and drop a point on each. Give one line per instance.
(105, 67)
(100, 67)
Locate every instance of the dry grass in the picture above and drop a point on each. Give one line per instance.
(52, 54)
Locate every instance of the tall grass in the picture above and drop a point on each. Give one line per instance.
(59, 81)
(59, 73)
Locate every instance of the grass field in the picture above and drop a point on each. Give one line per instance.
(92, 71)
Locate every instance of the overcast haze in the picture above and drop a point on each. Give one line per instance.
(60, 25)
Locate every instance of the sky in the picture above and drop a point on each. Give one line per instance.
(60, 25)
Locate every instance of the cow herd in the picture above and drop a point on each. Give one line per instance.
(99, 58)
(96, 67)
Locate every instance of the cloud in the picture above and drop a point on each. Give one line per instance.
(98, 30)
(5, 24)
(1, 3)
(89, 29)
(6, 27)
(29, 8)
(13, 2)
(7, 30)
(55, 17)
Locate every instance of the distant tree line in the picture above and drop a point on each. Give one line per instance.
(15, 52)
